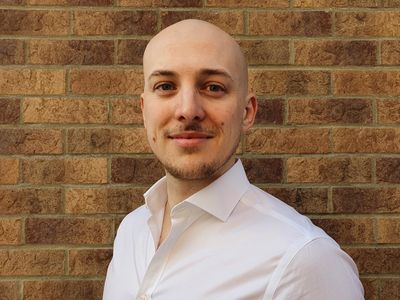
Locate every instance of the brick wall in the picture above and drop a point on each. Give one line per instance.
(73, 156)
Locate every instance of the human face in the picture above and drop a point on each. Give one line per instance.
(194, 108)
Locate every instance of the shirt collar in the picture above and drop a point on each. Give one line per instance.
(218, 198)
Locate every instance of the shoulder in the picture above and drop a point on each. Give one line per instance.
(134, 221)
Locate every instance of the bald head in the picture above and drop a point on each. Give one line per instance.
(195, 43)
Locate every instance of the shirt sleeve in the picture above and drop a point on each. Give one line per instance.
(319, 271)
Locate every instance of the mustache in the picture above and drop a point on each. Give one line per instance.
(193, 126)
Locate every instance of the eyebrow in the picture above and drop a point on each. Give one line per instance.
(203, 72)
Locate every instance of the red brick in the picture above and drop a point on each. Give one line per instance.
(57, 110)
(9, 110)
(287, 140)
(68, 231)
(390, 289)
(270, 111)
(31, 262)
(94, 201)
(304, 200)
(229, 21)
(67, 289)
(115, 22)
(305, 23)
(69, 170)
(9, 170)
(289, 83)
(388, 170)
(371, 288)
(366, 140)
(71, 52)
(116, 140)
(72, 2)
(328, 169)
(11, 52)
(263, 170)
(388, 230)
(366, 24)
(390, 52)
(161, 3)
(136, 170)
(336, 3)
(92, 262)
(259, 52)
(335, 53)
(329, 111)
(126, 111)
(366, 200)
(376, 260)
(11, 2)
(30, 141)
(348, 231)
(32, 82)
(10, 231)
(30, 201)
(34, 22)
(107, 82)
(248, 3)
(9, 290)
(130, 52)
(389, 111)
(371, 83)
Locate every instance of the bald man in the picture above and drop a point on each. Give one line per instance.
(205, 232)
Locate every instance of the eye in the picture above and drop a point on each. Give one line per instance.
(165, 86)
(215, 88)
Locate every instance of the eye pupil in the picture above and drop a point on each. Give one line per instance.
(215, 88)
(165, 86)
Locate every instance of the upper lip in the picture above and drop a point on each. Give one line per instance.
(190, 135)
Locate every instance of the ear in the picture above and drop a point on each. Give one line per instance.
(249, 113)
(142, 107)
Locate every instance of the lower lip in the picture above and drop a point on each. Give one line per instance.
(190, 143)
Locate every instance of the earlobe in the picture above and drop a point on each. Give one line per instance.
(249, 113)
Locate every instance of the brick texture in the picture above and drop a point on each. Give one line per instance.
(74, 158)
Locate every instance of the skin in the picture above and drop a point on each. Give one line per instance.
(195, 106)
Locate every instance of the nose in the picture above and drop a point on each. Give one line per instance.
(189, 106)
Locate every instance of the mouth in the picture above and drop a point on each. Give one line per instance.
(190, 139)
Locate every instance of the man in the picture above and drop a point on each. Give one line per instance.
(205, 231)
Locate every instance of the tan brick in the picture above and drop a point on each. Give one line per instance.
(248, 3)
(304, 200)
(388, 170)
(34, 22)
(30, 201)
(328, 169)
(161, 3)
(305, 23)
(116, 140)
(32, 82)
(337, 3)
(30, 141)
(366, 140)
(31, 262)
(259, 52)
(290, 83)
(57, 110)
(371, 288)
(9, 171)
(69, 231)
(361, 83)
(136, 170)
(229, 21)
(67, 289)
(126, 111)
(263, 170)
(130, 52)
(390, 289)
(11, 52)
(10, 231)
(107, 82)
(388, 230)
(11, 2)
(366, 200)
(335, 53)
(9, 110)
(348, 231)
(389, 111)
(71, 52)
(69, 170)
(287, 140)
(363, 24)
(92, 262)
(115, 22)
(376, 260)
(390, 52)
(94, 201)
(270, 111)
(9, 290)
(72, 2)
(329, 111)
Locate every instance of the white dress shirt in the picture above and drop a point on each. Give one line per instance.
(229, 241)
